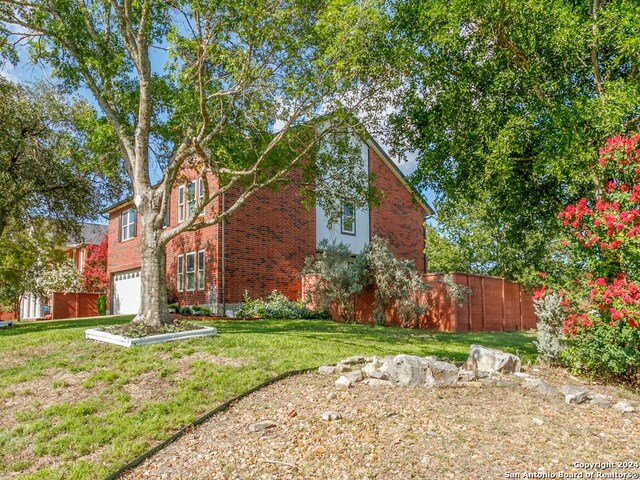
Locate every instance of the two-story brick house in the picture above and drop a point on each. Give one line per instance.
(262, 246)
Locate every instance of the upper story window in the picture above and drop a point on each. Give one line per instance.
(181, 200)
(128, 224)
(187, 196)
(201, 193)
(348, 219)
(191, 198)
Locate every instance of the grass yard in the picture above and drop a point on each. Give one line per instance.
(76, 409)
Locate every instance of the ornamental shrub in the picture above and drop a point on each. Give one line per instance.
(276, 305)
(101, 305)
(551, 315)
(342, 276)
(397, 282)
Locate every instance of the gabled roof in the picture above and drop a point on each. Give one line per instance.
(117, 206)
(398, 173)
(90, 234)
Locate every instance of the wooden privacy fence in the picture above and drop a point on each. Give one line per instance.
(495, 304)
(74, 305)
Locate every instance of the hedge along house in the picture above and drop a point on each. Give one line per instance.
(262, 246)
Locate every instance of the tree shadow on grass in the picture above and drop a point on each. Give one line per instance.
(19, 328)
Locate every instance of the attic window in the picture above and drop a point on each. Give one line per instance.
(348, 219)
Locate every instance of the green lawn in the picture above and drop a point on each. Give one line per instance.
(75, 409)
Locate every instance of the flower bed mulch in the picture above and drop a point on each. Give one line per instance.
(140, 330)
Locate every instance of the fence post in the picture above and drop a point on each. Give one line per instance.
(504, 319)
(484, 306)
(520, 304)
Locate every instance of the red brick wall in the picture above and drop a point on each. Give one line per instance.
(268, 238)
(399, 218)
(267, 241)
(206, 239)
(122, 256)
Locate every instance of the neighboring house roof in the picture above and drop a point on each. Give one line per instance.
(90, 234)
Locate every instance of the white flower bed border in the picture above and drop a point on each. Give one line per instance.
(102, 336)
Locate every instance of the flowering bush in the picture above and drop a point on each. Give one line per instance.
(94, 274)
(602, 307)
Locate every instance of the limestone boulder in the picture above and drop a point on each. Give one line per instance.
(413, 371)
(326, 370)
(343, 383)
(540, 386)
(491, 360)
(574, 395)
(371, 371)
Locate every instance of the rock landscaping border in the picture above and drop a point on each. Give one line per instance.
(121, 340)
(220, 408)
(484, 367)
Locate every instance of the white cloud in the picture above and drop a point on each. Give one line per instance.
(7, 71)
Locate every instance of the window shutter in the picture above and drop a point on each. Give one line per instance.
(134, 227)
(120, 227)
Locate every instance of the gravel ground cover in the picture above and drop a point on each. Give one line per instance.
(475, 431)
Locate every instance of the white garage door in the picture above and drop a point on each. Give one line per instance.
(126, 293)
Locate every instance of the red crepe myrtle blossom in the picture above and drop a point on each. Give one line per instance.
(95, 267)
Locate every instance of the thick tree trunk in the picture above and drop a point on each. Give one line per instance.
(153, 302)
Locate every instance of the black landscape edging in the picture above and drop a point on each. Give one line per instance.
(220, 408)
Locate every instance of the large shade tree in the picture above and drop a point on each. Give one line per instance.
(50, 180)
(507, 102)
(46, 169)
(246, 91)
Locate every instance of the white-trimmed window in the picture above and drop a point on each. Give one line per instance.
(180, 273)
(201, 193)
(181, 203)
(191, 198)
(201, 270)
(348, 219)
(191, 271)
(128, 225)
